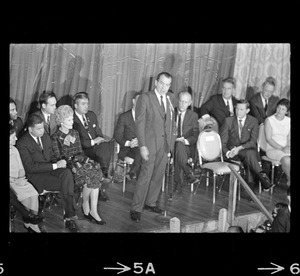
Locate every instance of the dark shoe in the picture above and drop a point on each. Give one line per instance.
(103, 196)
(104, 171)
(86, 216)
(132, 175)
(265, 181)
(154, 209)
(71, 226)
(191, 179)
(135, 216)
(100, 222)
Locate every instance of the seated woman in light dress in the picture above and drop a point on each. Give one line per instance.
(88, 176)
(24, 191)
(277, 132)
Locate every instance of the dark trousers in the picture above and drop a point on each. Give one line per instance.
(181, 167)
(150, 179)
(101, 153)
(57, 180)
(250, 159)
(133, 153)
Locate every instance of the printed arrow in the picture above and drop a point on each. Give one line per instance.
(122, 269)
(276, 269)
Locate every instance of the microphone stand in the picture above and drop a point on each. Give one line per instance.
(164, 218)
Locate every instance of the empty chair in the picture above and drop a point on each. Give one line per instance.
(211, 158)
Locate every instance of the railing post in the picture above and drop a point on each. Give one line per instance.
(232, 199)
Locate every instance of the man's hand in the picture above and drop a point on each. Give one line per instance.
(144, 153)
(61, 163)
(180, 139)
(98, 140)
(134, 143)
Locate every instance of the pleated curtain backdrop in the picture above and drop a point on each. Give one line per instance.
(112, 73)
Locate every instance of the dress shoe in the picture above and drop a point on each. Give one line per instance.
(86, 216)
(265, 181)
(191, 179)
(33, 219)
(32, 228)
(71, 226)
(135, 216)
(100, 222)
(154, 209)
(132, 175)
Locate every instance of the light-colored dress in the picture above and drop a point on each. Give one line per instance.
(17, 179)
(280, 132)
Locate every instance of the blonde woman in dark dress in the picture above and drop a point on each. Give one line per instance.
(87, 173)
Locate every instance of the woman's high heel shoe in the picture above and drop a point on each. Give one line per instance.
(100, 222)
(30, 228)
(86, 216)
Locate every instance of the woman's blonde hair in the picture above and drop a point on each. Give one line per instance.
(63, 112)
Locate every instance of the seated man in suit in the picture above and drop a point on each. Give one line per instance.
(47, 101)
(263, 104)
(185, 143)
(222, 105)
(239, 141)
(125, 136)
(92, 140)
(14, 120)
(36, 153)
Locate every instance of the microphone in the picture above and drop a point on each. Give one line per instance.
(170, 103)
(171, 107)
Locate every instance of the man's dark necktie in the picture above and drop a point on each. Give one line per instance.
(39, 142)
(48, 123)
(179, 125)
(241, 128)
(266, 106)
(86, 126)
(162, 105)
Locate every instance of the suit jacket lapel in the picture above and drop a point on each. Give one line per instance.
(223, 105)
(185, 121)
(157, 103)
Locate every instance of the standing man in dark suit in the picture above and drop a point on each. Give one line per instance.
(185, 143)
(239, 141)
(14, 120)
(263, 104)
(36, 153)
(155, 133)
(47, 101)
(125, 136)
(220, 106)
(92, 139)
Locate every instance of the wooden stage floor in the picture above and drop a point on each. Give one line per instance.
(189, 209)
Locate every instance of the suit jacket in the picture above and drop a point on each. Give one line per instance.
(190, 129)
(151, 128)
(216, 108)
(53, 125)
(125, 131)
(34, 159)
(229, 133)
(94, 129)
(257, 109)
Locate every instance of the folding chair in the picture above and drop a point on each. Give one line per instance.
(210, 155)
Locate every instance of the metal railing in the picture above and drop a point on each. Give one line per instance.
(234, 176)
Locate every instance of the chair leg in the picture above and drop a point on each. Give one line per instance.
(214, 188)
(207, 179)
(272, 178)
(124, 177)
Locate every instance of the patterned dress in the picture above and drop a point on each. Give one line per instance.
(85, 170)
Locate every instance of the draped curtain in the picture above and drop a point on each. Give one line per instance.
(112, 73)
(255, 62)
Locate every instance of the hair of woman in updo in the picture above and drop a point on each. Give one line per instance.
(63, 112)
